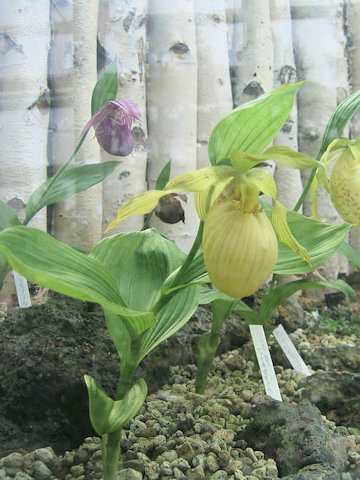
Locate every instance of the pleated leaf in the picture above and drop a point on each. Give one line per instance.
(279, 294)
(346, 250)
(339, 119)
(170, 318)
(108, 415)
(208, 295)
(69, 183)
(140, 262)
(252, 126)
(44, 260)
(106, 88)
(320, 239)
(196, 273)
(8, 217)
(120, 334)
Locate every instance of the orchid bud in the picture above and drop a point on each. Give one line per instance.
(112, 124)
(344, 183)
(240, 249)
(169, 209)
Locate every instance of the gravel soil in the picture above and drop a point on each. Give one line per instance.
(232, 432)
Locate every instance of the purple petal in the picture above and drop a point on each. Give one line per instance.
(130, 108)
(98, 116)
(115, 138)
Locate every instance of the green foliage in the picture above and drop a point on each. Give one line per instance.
(252, 126)
(109, 415)
(106, 88)
(339, 320)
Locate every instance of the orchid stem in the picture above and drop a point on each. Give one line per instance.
(190, 257)
(305, 191)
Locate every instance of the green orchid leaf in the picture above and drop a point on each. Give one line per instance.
(339, 119)
(346, 250)
(120, 335)
(164, 177)
(8, 217)
(196, 273)
(321, 240)
(252, 126)
(108, 415)
(279, 294)
(69, 183)
(140, 262)
(106, 88)
(208, 295)
(44, 260)
(173, 315)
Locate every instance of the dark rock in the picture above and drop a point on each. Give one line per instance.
(336, 394)
(342, 358)
(294, 436)
(315, 472)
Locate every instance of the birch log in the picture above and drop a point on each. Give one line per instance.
(171, 102)
(77, 221)
(122, 33)
(288, 180)
(254, 50)
(353, 53)
(214, 86)
(24, 101)
(315, 42)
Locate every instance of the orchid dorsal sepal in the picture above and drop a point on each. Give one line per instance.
(244, 161)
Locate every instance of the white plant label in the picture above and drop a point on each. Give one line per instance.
(265, 363)
(22, 290)
(290, 351)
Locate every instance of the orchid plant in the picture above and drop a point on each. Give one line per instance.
(148, 287)
(238, 232)
(112, 116)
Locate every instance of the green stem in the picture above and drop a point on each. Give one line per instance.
(305, 191)
(209, 342)
(110, 447)
(190, 257)
(61, 170)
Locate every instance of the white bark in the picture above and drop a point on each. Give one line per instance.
(315, 41)
(24, 101)
(214, 87)
(353, 52)
(171, 102)
(122, 33)
(253, 47)
(288, 180)
(78, 219)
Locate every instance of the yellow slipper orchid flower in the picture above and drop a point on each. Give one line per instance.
(344, 182)
(229, 196)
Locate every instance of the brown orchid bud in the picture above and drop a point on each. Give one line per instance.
(169, 209)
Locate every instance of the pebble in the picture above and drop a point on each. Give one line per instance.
(180, 435)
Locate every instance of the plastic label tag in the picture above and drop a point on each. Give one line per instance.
(265, 363)
(22, 290)
(290, 351)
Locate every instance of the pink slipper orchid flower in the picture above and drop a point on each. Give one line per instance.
(112, 124)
